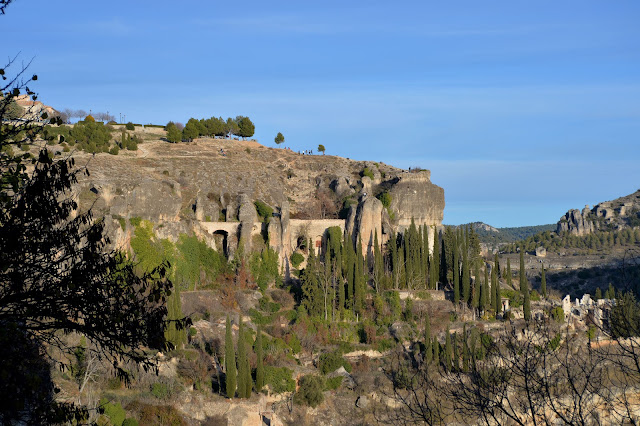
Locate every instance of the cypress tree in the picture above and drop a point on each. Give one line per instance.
(456, 272)
(448, 351)
(443, 265)
(312, 293)
(174, 311)
(402, 276)
(434, 274)
(466, 276)
(359, 280)
(524, 288)
(436, 351)
(259, 361)
(230, 361)
(242, 361)
(497, 278)
(425, 253)
(466, 356)
(486, 295)
(543, 283)
(598, 293)
(427, 338)
(350, 260)
(378, 263)
(456, 352)
(393, 254)
(509, 283)
(475, 290)
(495, 301)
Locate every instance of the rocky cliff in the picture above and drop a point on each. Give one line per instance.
(209, 187)
(610, 215)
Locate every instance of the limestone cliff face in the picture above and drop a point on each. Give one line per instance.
(617, 214)
(209, 187)
(413, 196)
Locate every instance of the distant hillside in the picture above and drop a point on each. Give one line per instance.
(495, 236)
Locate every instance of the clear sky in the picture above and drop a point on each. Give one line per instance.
(521, 110)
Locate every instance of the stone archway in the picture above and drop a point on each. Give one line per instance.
(221, 237)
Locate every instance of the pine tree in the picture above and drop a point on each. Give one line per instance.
(598, 293)
(524, 288)
(543, 283)
(259, 361)
(509, 283)
(230, 361)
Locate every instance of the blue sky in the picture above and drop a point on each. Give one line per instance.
(521, 110)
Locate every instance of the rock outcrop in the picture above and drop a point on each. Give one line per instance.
(413, 196)
(617, 214)
(188, 188)
(365, 221)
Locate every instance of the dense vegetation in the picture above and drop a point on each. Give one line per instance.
(211, 127)
(507, 235)
(585, 244)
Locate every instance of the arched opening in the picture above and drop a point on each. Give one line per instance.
(221, 239)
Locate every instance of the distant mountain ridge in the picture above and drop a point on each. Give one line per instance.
(491, 235)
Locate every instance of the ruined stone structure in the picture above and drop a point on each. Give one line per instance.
(192, 189)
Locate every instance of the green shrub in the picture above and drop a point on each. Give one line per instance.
(310, 391)
(557, 314)
(279, 379)
(331, 361)
(367, 172)
(161, 415)
(115, 412)
(130, 126)
(264, 210)
(121, 221)
(333, 383)
(296, 259)
(130, 422)
(135, 221)
(25, 147)
(385, 198)
(160, 390)
(114, 150)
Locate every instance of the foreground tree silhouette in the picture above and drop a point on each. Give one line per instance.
(57, 276)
